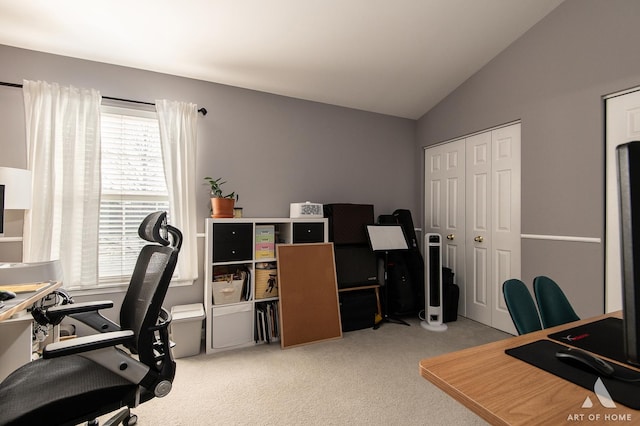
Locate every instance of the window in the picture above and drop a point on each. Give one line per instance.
(133, 184)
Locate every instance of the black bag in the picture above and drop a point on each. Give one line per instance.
(403, 217)
(411, 279)
(450, 296)
(401, 291)
(415, 262)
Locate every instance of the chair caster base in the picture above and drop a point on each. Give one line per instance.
(132, 420)
(124, 417)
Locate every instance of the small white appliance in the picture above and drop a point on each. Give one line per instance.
(305, 210)
(433, 311)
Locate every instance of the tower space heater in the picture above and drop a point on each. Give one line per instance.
(433, 311)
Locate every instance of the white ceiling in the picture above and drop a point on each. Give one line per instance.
(396, 57)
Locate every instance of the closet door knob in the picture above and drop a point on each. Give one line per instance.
(478, 239)
(450, 237)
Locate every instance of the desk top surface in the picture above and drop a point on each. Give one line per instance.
(506, 391)
(25, 299)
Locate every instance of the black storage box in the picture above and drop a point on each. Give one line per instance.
(308, 232)
(232, 242)
(358, 309)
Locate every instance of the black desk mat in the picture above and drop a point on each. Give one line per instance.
(603, 337)
(542, 354)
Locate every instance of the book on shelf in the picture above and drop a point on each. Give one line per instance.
(267, 322)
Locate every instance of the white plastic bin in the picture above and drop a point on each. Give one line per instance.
(186, 329)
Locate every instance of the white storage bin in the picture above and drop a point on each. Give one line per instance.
(186, 328)
(231, 325)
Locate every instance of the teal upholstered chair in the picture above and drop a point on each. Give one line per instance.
(554, 306)
(521, 306)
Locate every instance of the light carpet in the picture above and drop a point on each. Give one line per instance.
(368, 377)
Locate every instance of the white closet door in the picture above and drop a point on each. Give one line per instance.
(506, 213)
(623, 125)
(444, 206)
(478, 223)
(472, 198)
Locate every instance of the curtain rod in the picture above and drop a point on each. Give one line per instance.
(202, 111)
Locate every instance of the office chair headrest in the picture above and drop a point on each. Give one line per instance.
(151, 226)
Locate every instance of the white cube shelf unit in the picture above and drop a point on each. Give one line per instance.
(245, 244)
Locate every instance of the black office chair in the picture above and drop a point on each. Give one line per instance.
(81, 379)
(554, 306)
(521, 306)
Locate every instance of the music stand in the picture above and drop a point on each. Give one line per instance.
(383, 239)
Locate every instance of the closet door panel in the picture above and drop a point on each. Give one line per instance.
(478, 226)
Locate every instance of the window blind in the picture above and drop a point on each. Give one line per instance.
(133, 185)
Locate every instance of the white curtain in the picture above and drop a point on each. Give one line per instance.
(63, 148)
(178, 131)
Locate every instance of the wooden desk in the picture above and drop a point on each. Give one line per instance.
(16, 333)
(506, 391)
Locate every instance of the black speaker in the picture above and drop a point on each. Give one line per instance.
(356, 266)
(347, 222)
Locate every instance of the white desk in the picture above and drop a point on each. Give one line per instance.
(16, 328)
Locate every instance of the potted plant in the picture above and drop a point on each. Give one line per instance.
(221, 205)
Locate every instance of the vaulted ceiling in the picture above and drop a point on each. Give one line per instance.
(397, 57)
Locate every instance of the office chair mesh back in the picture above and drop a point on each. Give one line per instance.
(521, 306)
(71, 389)
(554, 306)
(142, 303)
(148, 287)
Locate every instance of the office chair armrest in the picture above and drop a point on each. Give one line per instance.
(87, 313)
(74, 308)
(86, 343)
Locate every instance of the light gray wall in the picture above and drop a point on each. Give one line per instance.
(553, 79)
(275, 150)
(272, 150)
